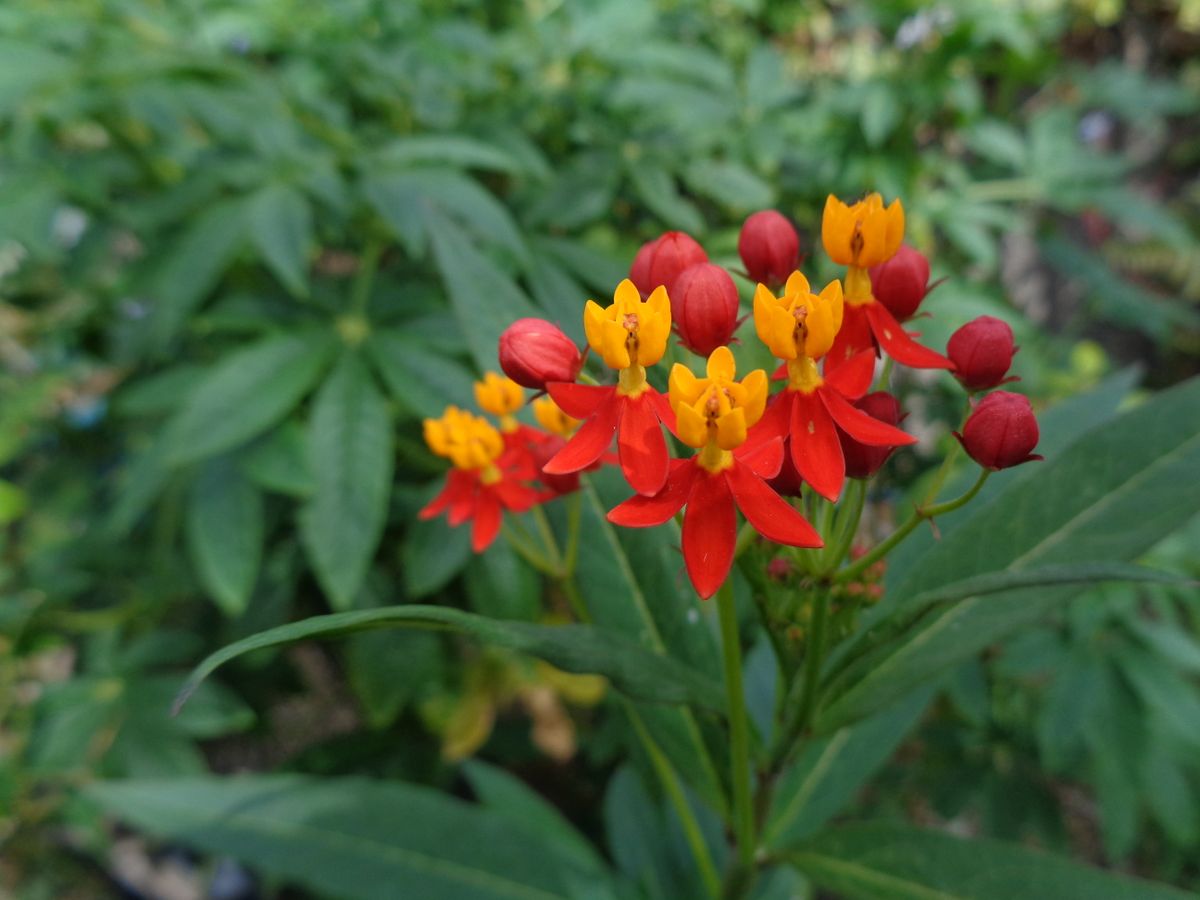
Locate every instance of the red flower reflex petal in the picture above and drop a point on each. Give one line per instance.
(816, 450)
(764, 459)
(640, 511)
(852, 379)
(864, 428)
(772, 516)
(590, 441)
(709, 532)
(852, 338)
(458, 484)
(641, 447)
(486, 524)
(579, 401)
(899, 346)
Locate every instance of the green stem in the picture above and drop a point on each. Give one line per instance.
(526, 551)
(885, 376)
(847, 524)
(368, 265)
(548, 540)
(739, 725)
(574, 512)
(812, 662)
(674, 790)
(920, 514)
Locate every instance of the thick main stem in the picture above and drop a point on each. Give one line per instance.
(739, 724)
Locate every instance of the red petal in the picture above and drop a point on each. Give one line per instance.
(853, 378)
(579, 401)
(852, 338)
(514, 496)
(589, 442)
(454, 487)
(863, 428)
(775, 421)
(780, 373)
(816, 450)
(772, 516)
(899, 346)
(764, 459)
(662, 407)
(709, 532)
(641, 446)
(643, 512)
(487, 521)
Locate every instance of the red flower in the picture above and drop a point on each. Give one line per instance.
(710, 521)
(469, 496)
(813, 408)
(871, 326)
(641, 447)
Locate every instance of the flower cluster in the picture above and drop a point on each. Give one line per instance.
(752, 450)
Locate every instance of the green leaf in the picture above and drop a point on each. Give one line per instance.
(279, 461)
(1109, 497)
(423, 382)
(657, 189)
(432, 554)
(192, 267)
(632, 583)
(345, 837)
(280, 222)
(496, 789)
(245, 394)
(225, 534)
(582, 649)
(350, 449)
(831, 770)
(502, 585)
(485, 300)
(729, 183)
(450, 149)
(888, 862)
(880, 114)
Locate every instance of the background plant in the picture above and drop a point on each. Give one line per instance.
(239, 243)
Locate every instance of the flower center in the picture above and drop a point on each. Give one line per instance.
(858, 286)
(632, 380)
(803, 375)
(713, 459)
(490, 474)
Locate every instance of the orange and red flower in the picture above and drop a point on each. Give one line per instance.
(486, 478)
(629, 335)
(714, 415)
(800, 327)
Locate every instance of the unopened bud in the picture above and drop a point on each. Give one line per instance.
(982, 352)
(863, 461)
(534, 351)
(660, 261)
(1001, 432)
(704, 308)
(901, 282)
(769, 247)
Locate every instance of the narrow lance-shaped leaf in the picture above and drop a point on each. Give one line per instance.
(888, 862)
(346, 837)
(280, 222)
(583, 649)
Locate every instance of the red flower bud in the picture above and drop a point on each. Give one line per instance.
(704, 308)
(788, 482)
(902, 282)
(1001, 432)
(982, 351)
(769, 247)
(542, 453)
(660, 261)
(534, 351)
(863, 461)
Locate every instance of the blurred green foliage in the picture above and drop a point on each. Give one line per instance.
(246, 246)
